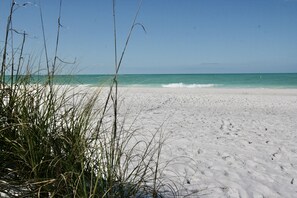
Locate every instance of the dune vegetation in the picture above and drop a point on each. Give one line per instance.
(57, 141)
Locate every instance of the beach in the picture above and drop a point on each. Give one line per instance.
(220, 142)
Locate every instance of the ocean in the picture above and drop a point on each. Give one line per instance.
(275, 80)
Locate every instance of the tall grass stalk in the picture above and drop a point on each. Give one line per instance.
(59, 141)
(4, 53)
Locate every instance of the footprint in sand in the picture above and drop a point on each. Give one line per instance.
(224, 125)
(200, 151)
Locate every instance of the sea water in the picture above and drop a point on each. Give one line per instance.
(275, 80)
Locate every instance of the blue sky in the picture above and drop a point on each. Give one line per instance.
(182, 36)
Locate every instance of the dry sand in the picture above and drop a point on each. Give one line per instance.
(222, 142)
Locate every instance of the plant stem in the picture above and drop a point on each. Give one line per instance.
(3, 65)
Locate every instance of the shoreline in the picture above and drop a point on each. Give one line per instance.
(243, 80)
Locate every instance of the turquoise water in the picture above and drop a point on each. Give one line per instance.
(185, 80)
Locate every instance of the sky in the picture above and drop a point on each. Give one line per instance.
(181, 36)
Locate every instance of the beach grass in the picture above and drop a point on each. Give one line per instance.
(58, 141)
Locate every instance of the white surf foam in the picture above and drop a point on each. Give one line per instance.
(182, 85)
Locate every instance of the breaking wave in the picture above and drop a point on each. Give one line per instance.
(182, 85)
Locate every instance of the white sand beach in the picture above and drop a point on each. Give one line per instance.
(222, 142)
